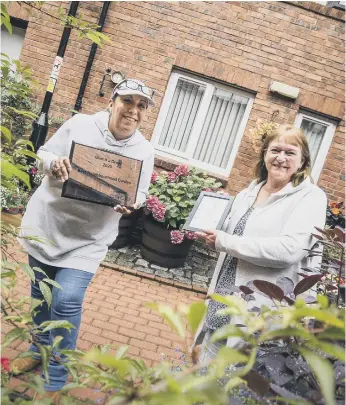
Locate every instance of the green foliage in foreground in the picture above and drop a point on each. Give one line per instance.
(312, 334)
(308, 336)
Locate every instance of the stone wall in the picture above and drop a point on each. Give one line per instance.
(197, 271)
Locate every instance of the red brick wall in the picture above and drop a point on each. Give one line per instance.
(248, 44)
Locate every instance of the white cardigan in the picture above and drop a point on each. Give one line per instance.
(275, 236)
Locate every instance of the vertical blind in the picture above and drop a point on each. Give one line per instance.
(314, 133)
(181, 115)
(220, 127)
(221, 124)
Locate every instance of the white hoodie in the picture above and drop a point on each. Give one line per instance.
(277, 233)
(276, 237)
(78, 232)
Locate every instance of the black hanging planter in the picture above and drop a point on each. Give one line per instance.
(157, 247)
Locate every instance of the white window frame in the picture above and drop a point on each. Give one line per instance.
(187, 157)
(326, 141)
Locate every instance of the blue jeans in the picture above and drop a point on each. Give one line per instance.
(66, 305)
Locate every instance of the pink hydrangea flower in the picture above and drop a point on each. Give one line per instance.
(181, 170)
(177, 237)
(154, 177)
(151, 202)
(159, 211)
(157, 208)
(172, 177)
(190, 235)
(208, 190)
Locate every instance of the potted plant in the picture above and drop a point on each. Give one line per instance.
(35, 177)
(335, 215)
(341, 288)
(10, 201)
(172, 196)
(14, 201)
(127, 234)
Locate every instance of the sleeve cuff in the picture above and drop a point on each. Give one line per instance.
(218, 242)
(141, 197)
(45, 162)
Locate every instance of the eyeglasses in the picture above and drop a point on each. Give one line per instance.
(132, 85)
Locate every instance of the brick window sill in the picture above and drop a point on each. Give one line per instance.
(169, 165)
(320, 9)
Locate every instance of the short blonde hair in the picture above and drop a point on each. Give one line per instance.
(293, 136)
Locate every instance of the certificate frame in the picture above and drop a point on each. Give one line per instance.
(102, 176)
(194, 221)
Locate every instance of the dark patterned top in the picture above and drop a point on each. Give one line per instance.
(226, 281)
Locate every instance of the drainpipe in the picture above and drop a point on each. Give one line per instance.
(90, 61)
(40, 127)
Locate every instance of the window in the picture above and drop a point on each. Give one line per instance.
(319, 133)
(340, 5)
(201, 122)
(12, 45)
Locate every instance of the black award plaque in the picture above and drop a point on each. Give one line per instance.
(102, 177)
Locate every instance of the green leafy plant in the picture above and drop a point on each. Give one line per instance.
(78, 23)
(18, 311)
(84, 28)
(16, 84)
(16, 90)
(331, 248)
(172, 196)
(335, 215)
(5, 18)
(14, 201)
(289, 347)
(291, 353)
(307, 340)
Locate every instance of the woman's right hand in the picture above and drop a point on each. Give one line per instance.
(209, 237)
(61, 168)
(123, 210)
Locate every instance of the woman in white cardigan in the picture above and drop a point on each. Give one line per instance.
(269, 227)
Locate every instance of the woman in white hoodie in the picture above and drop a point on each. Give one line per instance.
(79, 232)
(269, 227)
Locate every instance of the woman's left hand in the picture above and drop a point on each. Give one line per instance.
(209, 237)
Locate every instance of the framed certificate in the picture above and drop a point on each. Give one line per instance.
(209, 212)
(102, 177)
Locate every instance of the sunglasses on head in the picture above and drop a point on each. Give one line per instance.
(132, 85)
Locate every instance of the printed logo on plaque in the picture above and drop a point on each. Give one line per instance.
(102, 177)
